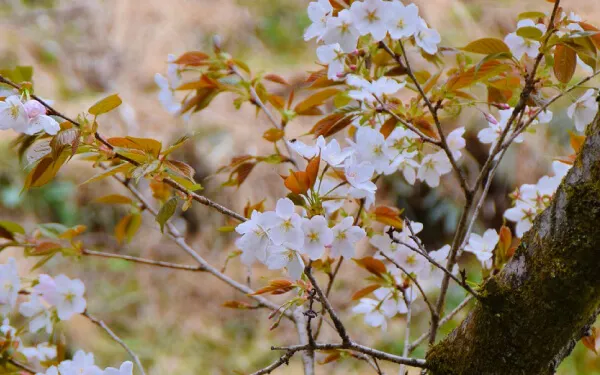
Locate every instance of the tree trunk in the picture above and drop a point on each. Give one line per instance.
(545, 299)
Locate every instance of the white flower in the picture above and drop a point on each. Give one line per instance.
(317, 235)
(492, 133)
(432, 167)
(370, 17)
(522, 214)
(49, 371)
(386, 86)
(584, 110)
(341, 29)
(345, 237)
(427, 38)
(318, 12)
(371, 147)
(254, 240)
(371, 91)
(81, 364)
(520, 46)
(166, 95)
(125, 369)
(38, 120)
(374, 316)
(456, 142)
(393, 300)
(13, 114)
(331, 153)
(334, 57)
(41, 317)
(10, 284)
(359, 177)
(42, 352)
(402, 20)
(285, 227)
(280, 257)
(483, 247)
(403, 162)
(67, 297)
(441, 257)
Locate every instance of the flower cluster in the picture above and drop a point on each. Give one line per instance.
(49, 300)
(483, 246)
(167, 86)
(340, 32)
(27, 116)
(279, 238)
(530, 200)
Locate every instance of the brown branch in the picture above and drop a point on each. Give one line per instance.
(22, 366)
(150, 262)
(283, 360)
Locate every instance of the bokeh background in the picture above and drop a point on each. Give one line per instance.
(83, 49)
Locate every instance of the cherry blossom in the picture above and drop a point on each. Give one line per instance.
(403, 20)
(42, 352)
(359, 177)
(456, 142)
(10, 284)
(520, 46)
(334, 192)
(64, 294)
(125, 369)
(370, 17)
(317, 235)
(82, 363)
(41, 318)
(318, 12)
(345, 237)
(341, 29)
(280, 257)
(167, 85)
(13, 114)
(427, 38)
(285, 227)
(254, 241)
(331, 153)
(584, 110)
(492, 133)
(432, 167)
(372, 148)
(38, 120)
(334, 57)
(483, 247)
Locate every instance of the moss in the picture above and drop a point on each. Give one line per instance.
(533, 310)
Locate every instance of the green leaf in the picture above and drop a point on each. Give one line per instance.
(128, 227)
(105, 105)
(531, 15)
(530, 32)
(165, 213)
(487, 46)
(12, 227)
(52, 230)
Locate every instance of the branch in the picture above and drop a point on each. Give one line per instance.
(116, 338)
(143, 261)
(414, 362)
(22, 366)
(283, 360)
(198, 198)
(407, 330)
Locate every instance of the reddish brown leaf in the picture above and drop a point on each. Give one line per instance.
(565, 63)
(372, 265)
(365, 291)
(192, 58)
(276, 78)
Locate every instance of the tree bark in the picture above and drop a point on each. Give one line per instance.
(544, 300)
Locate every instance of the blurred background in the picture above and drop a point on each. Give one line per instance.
(82, 50)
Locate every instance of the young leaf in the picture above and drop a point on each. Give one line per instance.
(149, 145)
(105, 105)
(365, 291)
(372, 265)
(114, 199)
(277, 79)
(121, 168)
(315, 100)
(389, 216)
(128, 227)
(312, 170)
(487, 46)
(165, 213)
(273, 134)
(192, 58)
(565, 63)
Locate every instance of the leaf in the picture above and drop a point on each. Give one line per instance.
(192, 58)
(165, 213)
(589, 341)
(181, 168)
(114, 199)
(565, 63)
(65, 139)
(331, 124)
(475, 74)
(595, 38)
(12, 227)
(105, 105)
(487, 46)
(148, 145)
(237, 305)
(297, 182)
(276, 78)
(71, 233)
(331, 358)
(275, 287)
(52, 230)
(389, 216)
(315, 100)
(365, 291)
(128, 227)
(530, 32)
(273, 135)
(388, 126)
(176, 145)
(576, 141)
(531, 15)
(121, 168)
(312, 170)
(45, 248)
(240, 174)
(504, 244)
(44, 171)
(372, 265)
(203, 83)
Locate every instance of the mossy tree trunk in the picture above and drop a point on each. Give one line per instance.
(545, 299)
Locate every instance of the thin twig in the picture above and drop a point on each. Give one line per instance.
(116, 338)
(22, 366)
(142, 260)
(283, 360)
(408, 302)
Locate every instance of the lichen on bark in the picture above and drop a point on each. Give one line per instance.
(542, 302)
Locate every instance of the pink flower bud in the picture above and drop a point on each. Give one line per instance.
(502, 106)
(34, 108)
(491, 119)
(353, 67)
